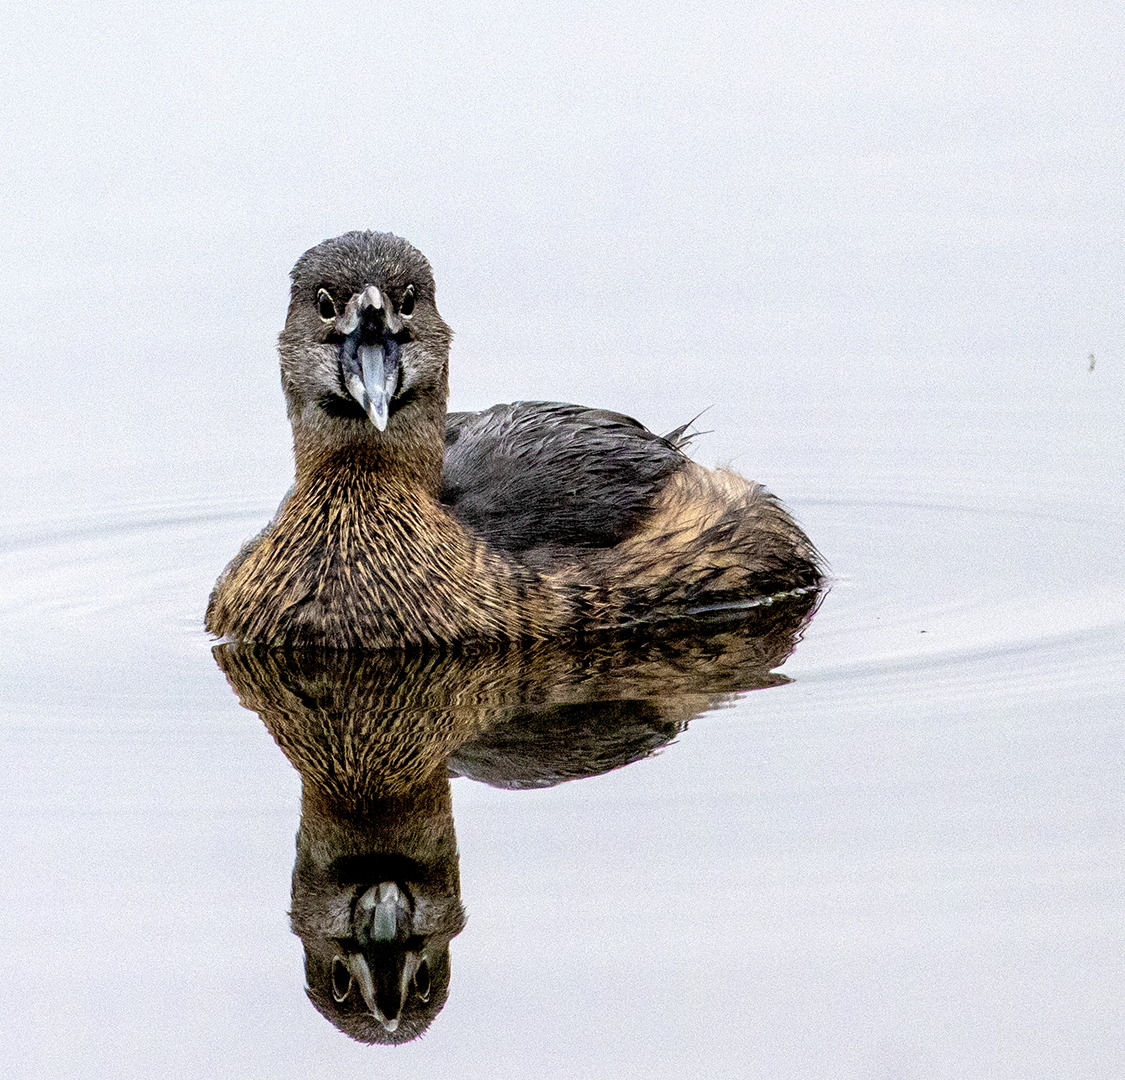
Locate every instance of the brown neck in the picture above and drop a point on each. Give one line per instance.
(408, 456)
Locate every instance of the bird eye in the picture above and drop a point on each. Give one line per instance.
(325, 306)
(407, 308)
(422, 981)
(341, 980)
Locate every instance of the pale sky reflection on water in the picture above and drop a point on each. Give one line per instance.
(877, 243)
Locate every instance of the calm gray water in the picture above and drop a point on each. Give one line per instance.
(882, 247)
(905, 862)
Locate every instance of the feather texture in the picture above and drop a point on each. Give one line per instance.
(524, 521)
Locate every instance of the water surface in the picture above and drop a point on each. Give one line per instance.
(895, 851)
(880, 244)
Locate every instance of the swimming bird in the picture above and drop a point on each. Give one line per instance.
(408, 526)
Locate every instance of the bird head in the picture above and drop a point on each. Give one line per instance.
(364, 352)
(377, 961)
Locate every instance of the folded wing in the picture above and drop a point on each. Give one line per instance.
(537, 473)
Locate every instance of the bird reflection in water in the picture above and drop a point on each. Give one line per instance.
(376, 737)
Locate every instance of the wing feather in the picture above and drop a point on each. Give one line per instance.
(536, 473)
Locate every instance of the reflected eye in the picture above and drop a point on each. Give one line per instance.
(422, 981)
(341, 980)
(325, 306)
(407, 308)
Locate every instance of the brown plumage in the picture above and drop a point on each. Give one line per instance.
(406, 526)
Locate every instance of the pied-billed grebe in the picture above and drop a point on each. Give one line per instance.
(407, 526)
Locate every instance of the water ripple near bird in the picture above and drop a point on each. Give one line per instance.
(977, 586)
